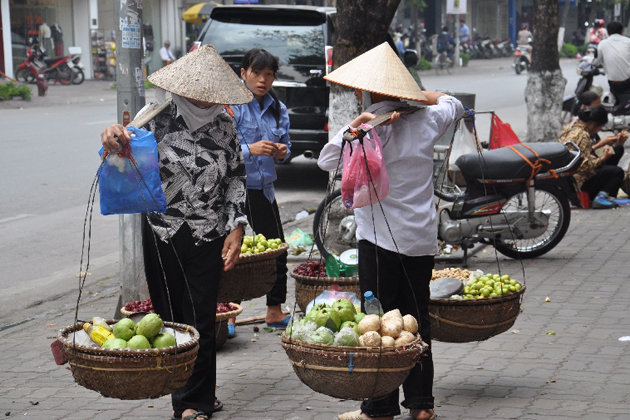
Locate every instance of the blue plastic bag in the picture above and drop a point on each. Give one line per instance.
(127, 188)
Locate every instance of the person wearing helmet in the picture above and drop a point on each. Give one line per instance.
(524, 37)
(598, 32)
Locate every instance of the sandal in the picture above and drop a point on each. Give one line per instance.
(431, 417)
(351, 415)
(218, 406)
(197, 416)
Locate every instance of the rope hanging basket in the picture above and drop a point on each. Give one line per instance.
(253, 276)
(463, 321)
(308, 288)
(132, 374)
(352, 373)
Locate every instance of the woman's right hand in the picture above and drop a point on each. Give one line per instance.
(608, 152)
(108, 137)
(262, 148)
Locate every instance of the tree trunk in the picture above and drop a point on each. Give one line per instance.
(361, 26)
(545, 83)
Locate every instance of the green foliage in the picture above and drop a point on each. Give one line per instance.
(465, 59)
(568, 50)
(10, 90)
(148, 85)
(420, 4)
(424, 64)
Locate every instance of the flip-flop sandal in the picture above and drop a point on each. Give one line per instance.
(410, 417)
(218, 406)
(231, 331)
(282, 324)
(199, 415)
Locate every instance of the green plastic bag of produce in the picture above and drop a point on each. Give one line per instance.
(298, 238)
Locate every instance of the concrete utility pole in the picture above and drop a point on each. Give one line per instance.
(131, 98)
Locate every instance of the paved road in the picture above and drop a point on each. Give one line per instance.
(580, 372)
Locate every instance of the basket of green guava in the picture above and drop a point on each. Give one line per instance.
(149, 359)
(348, 355)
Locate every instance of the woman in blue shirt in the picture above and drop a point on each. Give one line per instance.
(263, 129)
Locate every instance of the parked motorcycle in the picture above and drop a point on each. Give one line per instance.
(58, 68)
(499, 207)
(78, 69)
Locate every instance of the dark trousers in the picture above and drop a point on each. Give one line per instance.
(402, 283)
(614, 159)
(264, 217)
(607, 178)
(621, 90)
(192, 300)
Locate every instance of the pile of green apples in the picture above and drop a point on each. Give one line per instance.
(489, 286)
(146, 334)
(256, 244)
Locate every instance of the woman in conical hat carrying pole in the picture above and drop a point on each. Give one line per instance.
(199, 236)
(400, 262)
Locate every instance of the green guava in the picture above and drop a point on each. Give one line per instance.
(124, 329)
(358, 317)
(163, 339)
(114, 343)
(149, 326)
(345, 308)
(329, 318)
(138, 342)
(350, 324)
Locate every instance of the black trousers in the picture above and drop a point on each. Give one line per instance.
(607, 178)
(192, 300)
(264, 217)
(403, 283)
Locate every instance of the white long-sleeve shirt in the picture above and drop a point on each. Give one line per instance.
(408, 153)
(614, 53)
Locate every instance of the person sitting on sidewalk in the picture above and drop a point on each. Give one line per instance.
(600, 181)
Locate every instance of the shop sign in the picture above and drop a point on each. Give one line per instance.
(456, 7)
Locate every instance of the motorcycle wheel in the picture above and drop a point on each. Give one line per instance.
(518, 67)
(25, 75)
(64, 75)
(330, 220)
(554, 203)
(79, 76)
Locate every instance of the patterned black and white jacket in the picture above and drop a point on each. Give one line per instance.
(203, 176)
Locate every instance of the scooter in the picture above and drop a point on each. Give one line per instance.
(521, 213)
(57, 69)
(522, 60)
(78, 69)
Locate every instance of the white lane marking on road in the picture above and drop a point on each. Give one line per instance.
(98, 122)
(14, 218)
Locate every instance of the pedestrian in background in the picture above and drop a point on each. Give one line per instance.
(464, 31)
(263, 128)
(166, 55)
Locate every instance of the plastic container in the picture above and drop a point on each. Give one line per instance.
(372, 305)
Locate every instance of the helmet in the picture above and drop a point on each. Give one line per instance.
(524, 25)
(598, 23)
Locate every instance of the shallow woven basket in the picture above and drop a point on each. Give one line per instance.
(308, 288)
(132, 374)
(352, 373)
(463, 321)
(253, 276)
(221, 326)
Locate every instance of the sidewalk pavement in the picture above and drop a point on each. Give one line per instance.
(580, 371)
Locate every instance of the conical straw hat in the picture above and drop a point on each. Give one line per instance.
(203, 75)
(378, 70)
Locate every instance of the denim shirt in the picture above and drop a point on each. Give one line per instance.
(254, 124)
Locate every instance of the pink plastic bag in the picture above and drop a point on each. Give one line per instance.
(359, 187)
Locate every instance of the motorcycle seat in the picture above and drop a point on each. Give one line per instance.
(504, 163)
(51, 61)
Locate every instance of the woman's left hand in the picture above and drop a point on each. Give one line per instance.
(280, 152)
(232, 248)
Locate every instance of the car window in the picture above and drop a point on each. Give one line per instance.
(16, 39)
(293, 45)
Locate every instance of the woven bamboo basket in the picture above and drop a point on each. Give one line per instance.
(221, 326)
(308, 288)
(463, 321)
(253, 276)
(132, 374)
(352, 373)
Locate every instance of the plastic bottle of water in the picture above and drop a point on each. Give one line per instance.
(372, 305)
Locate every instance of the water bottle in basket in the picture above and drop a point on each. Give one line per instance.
(372, 305)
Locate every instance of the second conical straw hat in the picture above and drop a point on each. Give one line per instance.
(378, 70)
(203, 75)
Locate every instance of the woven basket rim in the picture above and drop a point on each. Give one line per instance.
(61, 336)
(230, 314)
(478, 302)
(415, 346)
(325, 280)
(266, 255)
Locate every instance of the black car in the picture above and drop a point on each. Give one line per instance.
(302, 38)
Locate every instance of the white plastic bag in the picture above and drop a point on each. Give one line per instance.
(463, 144)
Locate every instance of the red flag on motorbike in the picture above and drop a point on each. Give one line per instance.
(502, 134)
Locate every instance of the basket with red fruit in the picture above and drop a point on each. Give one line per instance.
(311, 280)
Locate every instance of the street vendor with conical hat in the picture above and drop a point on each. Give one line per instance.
(203, 178)
(396, 246)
